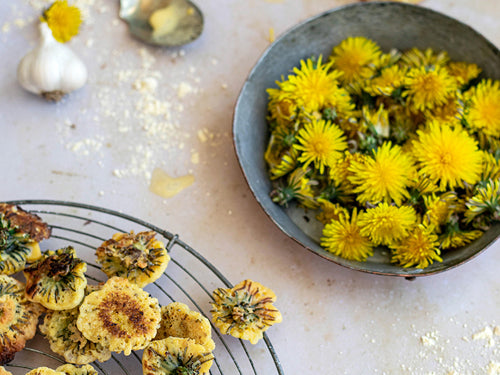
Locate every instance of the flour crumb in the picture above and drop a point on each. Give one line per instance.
(485, 334)
(493, 368)
(6, 27)
(195, 158)
(496, 331)
(184, 89)
(429, 339)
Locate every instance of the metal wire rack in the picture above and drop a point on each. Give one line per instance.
(189, 278)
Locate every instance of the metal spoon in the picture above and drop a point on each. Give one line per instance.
(176, 22)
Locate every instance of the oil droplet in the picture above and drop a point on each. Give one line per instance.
(166, 186)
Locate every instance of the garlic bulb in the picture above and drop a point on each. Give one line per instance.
(51, 69)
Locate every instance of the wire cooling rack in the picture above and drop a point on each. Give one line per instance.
(189, 278)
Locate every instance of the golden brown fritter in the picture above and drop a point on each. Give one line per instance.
(245, 311)
(178, 320)
(27, 222)
(138, 257)
(74, 370)
(18, 318)
(174, 355)
(57, 281)
(120, 316)
(3, 371)
(59, 327)
(20, 233)
(44, 371)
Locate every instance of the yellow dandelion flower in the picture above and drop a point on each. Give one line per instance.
(428, 88)
(390, 78)
(415, 58)
(384, 177)
(483, 108)
(298, 187)
(463, 72)
(491, 167)
(64, 20)
(339, 172)
(450, 112)
(454, 239)
(377, 119)
(330, 211)
(448, 156)
(313, 86)
(387, 224)
(321, 143)
(343, 237)
(485, 201)
(355, 57)
(439, 209)
(419, 249)
(287, 163)
(282, 108)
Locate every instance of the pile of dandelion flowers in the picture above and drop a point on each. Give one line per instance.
(321, 143)
(448, 156)
(355, 57)
(313, 85)
(387, 224)
(419, 249)
(63, 20)
(483, 108)
(343, 238)
(383, 177)
(428, 88)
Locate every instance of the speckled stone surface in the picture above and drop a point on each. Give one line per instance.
(145, 107)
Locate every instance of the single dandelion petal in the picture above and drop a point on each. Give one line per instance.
(383, 177)
(428, 88)
(64, 20)
(355, 57)
(483, 107)
(387, 224)
(320, 143)
(343, 237)
(448, 156)
(419, 249)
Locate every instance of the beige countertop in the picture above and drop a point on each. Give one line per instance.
(145, 108)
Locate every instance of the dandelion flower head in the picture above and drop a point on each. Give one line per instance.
(484, 107)
(321, 143)
(448, 156)
(386, 224)
(64, 20)
(343, 238)
(419, 249)
(384, 177)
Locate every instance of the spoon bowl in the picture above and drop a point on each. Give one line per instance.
(163, 22)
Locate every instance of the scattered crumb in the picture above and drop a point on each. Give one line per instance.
(195, 158)
(271, 35)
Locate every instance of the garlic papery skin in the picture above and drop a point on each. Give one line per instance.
(51, 69)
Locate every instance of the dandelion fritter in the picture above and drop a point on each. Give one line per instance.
(140, 257)
(174, 355)
(20, 233)
(179, 321)
(44, 371)
(57, 280)
(59, 327)
(3, 371)
(120, 316)
(245, 311)
(18, 318)
(69, 369)
(395, 149)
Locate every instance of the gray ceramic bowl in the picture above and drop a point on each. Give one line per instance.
(391, 25)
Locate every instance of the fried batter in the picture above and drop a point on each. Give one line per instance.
(18, 318)
(174, 355)
(57, 281)
(120, 316)
(3, 371)
(59, 327)
(179, 321)
(74, 370)
(44, 371)
(245, 311)
(20, 232)
(138, 257)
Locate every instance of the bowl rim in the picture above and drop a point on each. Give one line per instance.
(255, 67)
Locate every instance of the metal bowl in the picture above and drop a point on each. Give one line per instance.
(391, 25)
